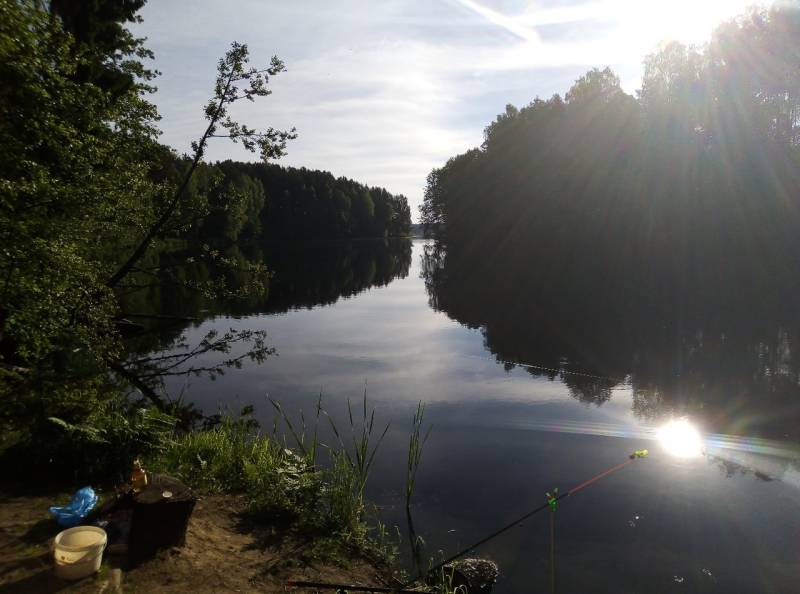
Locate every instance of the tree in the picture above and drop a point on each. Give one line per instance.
(364, 211)
(753, 69)
(601, 205)
(231, 71)
(109, 54)
(73, 177)
(85, 190)
(73, 180)
(595, 86)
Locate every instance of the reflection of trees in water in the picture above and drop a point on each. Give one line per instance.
(728, 360)
(730, 469)
(300, 275)
(589, 390)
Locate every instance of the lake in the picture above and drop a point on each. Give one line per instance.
(345, 318)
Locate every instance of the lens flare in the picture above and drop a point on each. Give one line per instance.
(681, 439)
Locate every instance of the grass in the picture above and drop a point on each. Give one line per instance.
(285, 486)
(415, 444)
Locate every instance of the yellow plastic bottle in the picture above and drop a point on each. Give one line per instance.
(138, 477)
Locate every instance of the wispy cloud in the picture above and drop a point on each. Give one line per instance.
(385, 91)
(510, 24)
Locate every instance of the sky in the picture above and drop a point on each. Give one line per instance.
(383, 91)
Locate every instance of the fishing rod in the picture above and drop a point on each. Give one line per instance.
(549, 504)
(347, 587)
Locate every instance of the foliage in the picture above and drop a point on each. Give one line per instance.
(71, 179)
(232, 72)
(652, 192)
(443, 582)
(260, 200)
(352, 464)
(85, 191)
(97, 443)
(233, 458)
(66, 180)
(99, 26)
(285, 486)
(416, 442)
(652, 238)
(633, 200)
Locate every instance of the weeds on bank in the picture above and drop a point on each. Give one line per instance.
(286, 486)
(415, 444)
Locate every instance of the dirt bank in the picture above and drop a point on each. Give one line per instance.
(223, 553)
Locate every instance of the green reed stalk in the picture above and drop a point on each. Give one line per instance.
(363, 453)
(415, 445)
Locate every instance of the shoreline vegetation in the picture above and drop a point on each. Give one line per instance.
(301, 499)
(89, 196)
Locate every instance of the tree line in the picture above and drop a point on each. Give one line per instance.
(653, 237)
(252, 201)
(599, 197)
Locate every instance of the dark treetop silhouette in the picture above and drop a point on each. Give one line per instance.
(658, 235)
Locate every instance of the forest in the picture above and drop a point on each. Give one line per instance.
(252, 201)
(692, 183)
(653, 234)
(98, 217)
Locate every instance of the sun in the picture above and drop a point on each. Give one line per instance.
(681, 439)
(686, 21)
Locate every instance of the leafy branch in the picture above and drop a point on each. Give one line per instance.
(271, 143)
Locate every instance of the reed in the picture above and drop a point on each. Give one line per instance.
(295, 484)
(416, 443)
(359, 454)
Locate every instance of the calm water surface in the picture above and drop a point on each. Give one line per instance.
(503, 435)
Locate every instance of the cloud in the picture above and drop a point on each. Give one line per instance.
(384, 91)
(510, 24)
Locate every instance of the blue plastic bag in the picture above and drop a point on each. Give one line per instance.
(76, 510)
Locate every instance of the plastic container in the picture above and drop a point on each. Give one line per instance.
(78, 552)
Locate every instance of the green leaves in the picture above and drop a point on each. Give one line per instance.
(70, 164)
(271, 143)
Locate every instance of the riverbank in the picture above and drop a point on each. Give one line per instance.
(265, 514)
(225, 551)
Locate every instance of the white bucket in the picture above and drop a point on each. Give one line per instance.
(78, 552)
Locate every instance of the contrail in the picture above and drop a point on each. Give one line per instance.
(509, 24)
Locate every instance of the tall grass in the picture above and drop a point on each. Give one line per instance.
(357, 456)
(284, 484)
(350, 462)
(234, 458)
(308, 446)
(415, 444)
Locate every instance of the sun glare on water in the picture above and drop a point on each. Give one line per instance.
(681, 439)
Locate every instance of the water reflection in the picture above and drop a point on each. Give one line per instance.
(303, 275)
(680, 438)
(732, 364)
(505, 434)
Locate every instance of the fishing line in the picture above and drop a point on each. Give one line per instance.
(547, 505)
(555, 370)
